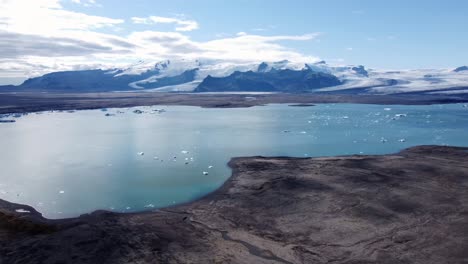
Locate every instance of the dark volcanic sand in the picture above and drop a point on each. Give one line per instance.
(32, 102)
(409, 207)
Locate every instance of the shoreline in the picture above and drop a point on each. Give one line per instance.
(36, 102)
(263, 214)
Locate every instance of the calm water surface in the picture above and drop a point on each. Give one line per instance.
(67, 164)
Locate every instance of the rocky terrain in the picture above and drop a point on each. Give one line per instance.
(33, 102)
(408, 207)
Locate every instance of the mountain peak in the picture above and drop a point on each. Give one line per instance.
(461, 68)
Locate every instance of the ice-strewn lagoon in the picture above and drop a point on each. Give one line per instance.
(66, 164)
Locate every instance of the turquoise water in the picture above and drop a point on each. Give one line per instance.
(66, 164)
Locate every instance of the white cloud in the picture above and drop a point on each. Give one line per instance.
(46, 37)
(47, 17)
(242, 47)
(181, 24)
(86, 3)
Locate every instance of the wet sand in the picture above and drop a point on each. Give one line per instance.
(33, 102)
(408, 207)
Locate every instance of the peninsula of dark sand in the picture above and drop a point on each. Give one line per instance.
(22, 102)
(408, 207)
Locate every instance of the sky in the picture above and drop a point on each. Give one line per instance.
(40, 36)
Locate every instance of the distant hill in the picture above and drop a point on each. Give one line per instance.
(287, 80)
(222, 76)
(462, 68)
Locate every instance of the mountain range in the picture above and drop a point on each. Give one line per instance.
(219, 76)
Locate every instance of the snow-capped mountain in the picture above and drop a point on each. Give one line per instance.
(280, 76)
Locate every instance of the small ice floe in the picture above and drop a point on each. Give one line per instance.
(155, 158)
(383, 140)
(400, 115)
(140, 153)
(465, 106)
(309, 121)
(61, 192)
(345, 117)
(22, 211)
(128, 208)
(149, 206)
(402, 140)
(303, 132)
(137, 111)
(387, 109)
(184, 152)
(205, 173)
(210, 167)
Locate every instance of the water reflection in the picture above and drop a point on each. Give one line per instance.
(66, 164)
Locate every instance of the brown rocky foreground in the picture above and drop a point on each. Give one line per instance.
(409, 207)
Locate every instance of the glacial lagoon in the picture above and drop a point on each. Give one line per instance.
(69, 163)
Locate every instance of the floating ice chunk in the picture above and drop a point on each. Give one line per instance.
(205, 173)
(184, 152)
(400, 115)
(61, 192)
(383, 140)
(387, 109)
(345, 117)
(22, 211)
(210, 167)
(149, 206)
(309, 121)
(137, 111)
(128, 208)
(303, 132)
(140, 153)
(155, 158)
(402, 140)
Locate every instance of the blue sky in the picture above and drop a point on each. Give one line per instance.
(384, 34)
(85, 33)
